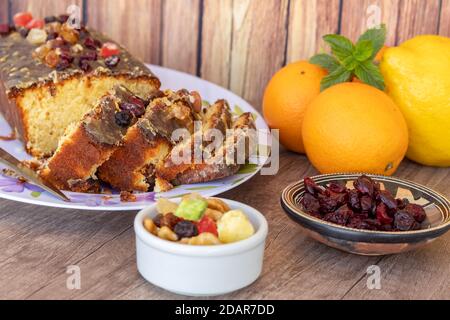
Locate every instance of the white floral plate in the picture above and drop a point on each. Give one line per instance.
(13, 189)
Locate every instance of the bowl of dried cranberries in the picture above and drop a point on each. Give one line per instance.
(367, 214)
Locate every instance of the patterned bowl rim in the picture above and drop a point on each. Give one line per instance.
(296, 189)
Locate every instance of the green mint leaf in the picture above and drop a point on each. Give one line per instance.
(337, 76)
(325, 61)
(363, 50)
(350, 63)
(370, 74)
(377, 36)
(341, 46)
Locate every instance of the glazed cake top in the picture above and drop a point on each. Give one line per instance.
(26, 62)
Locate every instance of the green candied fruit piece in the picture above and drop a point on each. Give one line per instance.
(191, 209)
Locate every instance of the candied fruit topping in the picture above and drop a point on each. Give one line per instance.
(37, 36)
(22, 18)
(112, 61)
(123, 118)
(35, 23)
(207, 224)
(191, 209)
(109, 49)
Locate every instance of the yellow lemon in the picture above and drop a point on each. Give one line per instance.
(417, 76)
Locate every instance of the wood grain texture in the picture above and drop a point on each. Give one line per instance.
(4, 9)
(180, 41)
(258, 46)
(135, 24)
(359, 15)
(309, 21)
(417, 17)
(39, 243)
(217, 31)
(444, 25)
(42, 8)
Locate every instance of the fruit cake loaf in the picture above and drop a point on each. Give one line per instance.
(91, 142)
(131, 167)
(51, 76)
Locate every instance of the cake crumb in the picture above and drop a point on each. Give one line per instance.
(126, 196)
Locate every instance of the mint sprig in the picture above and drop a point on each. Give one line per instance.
(349, 60)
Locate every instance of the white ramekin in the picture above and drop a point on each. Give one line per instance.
(201, 270)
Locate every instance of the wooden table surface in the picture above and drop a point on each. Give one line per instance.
(38, 243)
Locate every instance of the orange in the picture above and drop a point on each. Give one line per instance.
(353, 127)
(285, 100)
(380, 54)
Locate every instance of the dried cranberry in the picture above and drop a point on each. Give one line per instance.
(112, 61)
(358, 222)
(373, 223)
(89, 55)
(340, 216)
(366, 203)
(353, 198)
(50, 19)
(387, 228)
(401, 203)
(135, 109)
(327, 204)
(310, 204)
(63, 64)
(311, 187)
(386, 197)
(403, 221)
(382, 214)
(63, 18)
(365, 185)
(84, 65)
(337, 187)
(416, 211)
(90, 43)
(5, 29)
(123, 118)
(185, 229)
(65, 55)
(340, 198)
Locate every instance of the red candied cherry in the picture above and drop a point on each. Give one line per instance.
(4, 29)
(206, 224)
(35, 24)
(109, 49)
(22, 18)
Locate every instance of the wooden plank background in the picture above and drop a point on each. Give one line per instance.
(240, 44)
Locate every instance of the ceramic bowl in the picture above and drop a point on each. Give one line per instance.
(366, 242)
(201, 270)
